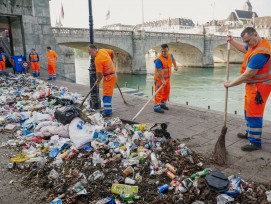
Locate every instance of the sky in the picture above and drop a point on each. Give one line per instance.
(129, 12)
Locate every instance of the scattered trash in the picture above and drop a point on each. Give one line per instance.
(77, 156)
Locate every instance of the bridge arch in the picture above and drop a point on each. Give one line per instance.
(186, 55)
(219, 50)
(122, 59)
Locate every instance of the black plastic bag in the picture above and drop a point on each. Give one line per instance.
(66, 114)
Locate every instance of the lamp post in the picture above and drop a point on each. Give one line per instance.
(94, 101)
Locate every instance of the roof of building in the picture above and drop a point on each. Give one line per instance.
(241, 14)
(170, 22)
(263, 21)
(232, 17)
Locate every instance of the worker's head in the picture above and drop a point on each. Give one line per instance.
(164, 50)
(48, 48)
(92, 50)
(33, 51)
(250, 37)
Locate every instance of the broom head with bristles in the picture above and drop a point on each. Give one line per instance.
(220, 148)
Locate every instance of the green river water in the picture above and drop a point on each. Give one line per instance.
(200, 87)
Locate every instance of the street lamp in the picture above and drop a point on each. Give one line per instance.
(94, 101)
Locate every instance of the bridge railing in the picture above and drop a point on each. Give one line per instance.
(124, 33)
(177, 35)
(85, 31)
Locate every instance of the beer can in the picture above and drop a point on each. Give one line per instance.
(170, 175)
(128, 171)
(163, 189)
(171, 168)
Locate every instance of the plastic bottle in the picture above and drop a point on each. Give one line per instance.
(154, 160)
(141, 154)
(126, 197)
(202, 173)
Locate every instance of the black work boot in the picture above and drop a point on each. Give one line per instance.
(165, 108)
(251, 147)
(159, 111)
(242, 135)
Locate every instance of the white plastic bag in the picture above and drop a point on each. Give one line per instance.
(80, 137)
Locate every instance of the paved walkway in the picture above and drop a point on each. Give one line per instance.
(200, 129)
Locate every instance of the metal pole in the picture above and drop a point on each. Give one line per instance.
(142, 14)
(94, 102)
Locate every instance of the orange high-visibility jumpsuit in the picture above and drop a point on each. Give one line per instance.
(104, 64)
(259, 84)
(34, 61)
(2, 63)
(162, 96)
(52, 57)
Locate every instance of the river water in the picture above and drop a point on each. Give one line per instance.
(200, 87)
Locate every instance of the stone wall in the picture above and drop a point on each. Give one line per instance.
(32, 29)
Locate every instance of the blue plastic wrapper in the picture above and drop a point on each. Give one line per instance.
(54, 152)
(234, 187)
(56, 201)
(87, 148)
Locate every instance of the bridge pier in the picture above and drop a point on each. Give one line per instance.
(139, 61)
(208, 55)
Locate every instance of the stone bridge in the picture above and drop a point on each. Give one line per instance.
(131, 47)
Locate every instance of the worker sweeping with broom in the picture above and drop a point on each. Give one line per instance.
(103, 59)
(162, 73)
(255, 73)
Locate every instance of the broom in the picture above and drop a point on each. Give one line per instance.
(220, 147)
(123, 97)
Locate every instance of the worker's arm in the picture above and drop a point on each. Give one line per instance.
(256, 63)
(242, 78)
(175, 65)
(99, 77)
(237, 45)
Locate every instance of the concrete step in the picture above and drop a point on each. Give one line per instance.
(132, 91)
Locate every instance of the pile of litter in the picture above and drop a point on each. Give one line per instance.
(97, 160)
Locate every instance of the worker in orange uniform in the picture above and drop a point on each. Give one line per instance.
(162, 73)
(103, 59)
(52, 58)
(3, 58)
(34, 61)
(255, 72)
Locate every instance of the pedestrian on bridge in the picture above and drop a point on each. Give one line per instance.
(52, 58)
(105, 69)
(163, 66)
(3, 58)
(34, 61)
(255, 73)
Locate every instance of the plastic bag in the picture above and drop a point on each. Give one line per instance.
(66, 114)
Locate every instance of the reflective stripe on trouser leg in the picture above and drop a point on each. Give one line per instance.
(107, 101)
(108, 89)
(157, 107)
(254, 112)
(254, 130)
(163, 104)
